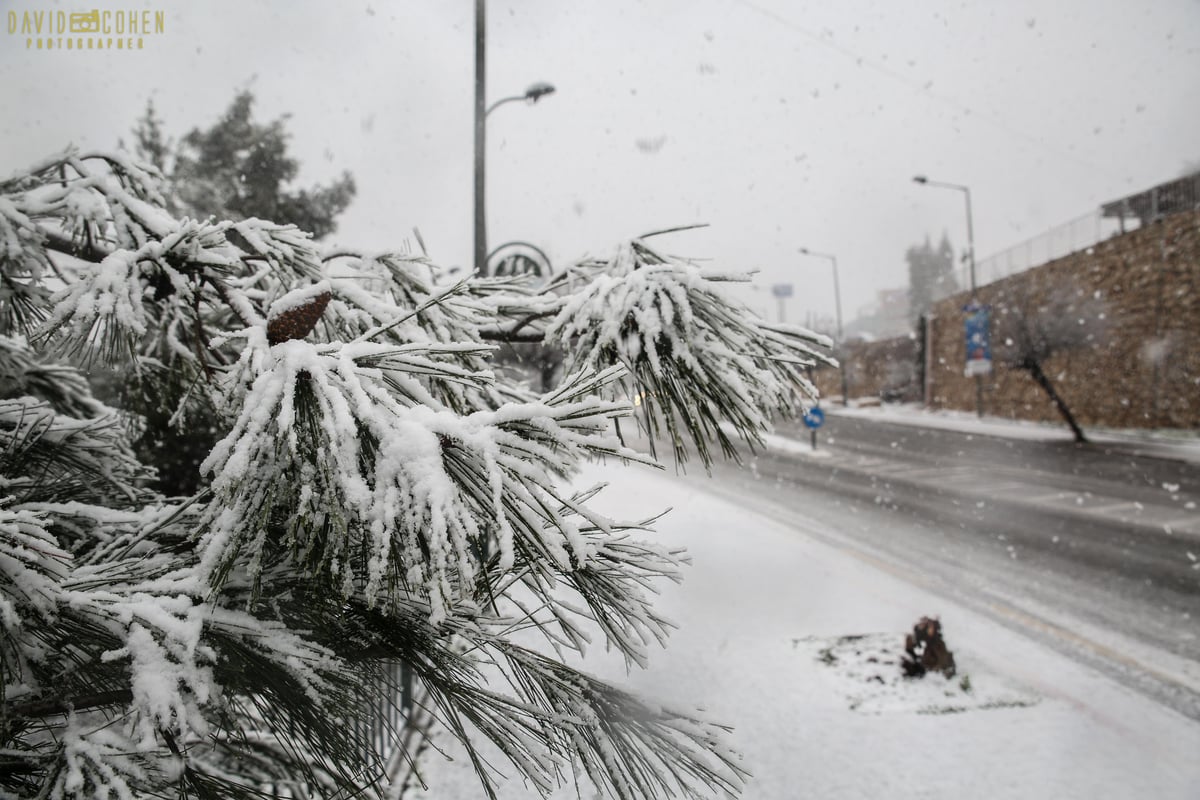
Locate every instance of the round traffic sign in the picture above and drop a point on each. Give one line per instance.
(814, 418)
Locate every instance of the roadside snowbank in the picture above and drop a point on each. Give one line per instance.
(761, 607)
(1173, 444)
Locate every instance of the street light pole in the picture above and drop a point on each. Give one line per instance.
(482, 110)
(966, 190)
(970, 240)
(924, 181)
(837, 299)
(480, 134)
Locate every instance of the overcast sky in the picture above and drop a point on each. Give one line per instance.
(780, 124)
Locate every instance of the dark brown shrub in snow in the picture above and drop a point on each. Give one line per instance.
(925, 651)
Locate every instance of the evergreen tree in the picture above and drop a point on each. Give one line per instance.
(236, 169)
(378, 510)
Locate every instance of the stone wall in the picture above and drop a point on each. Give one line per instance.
(886, 368)
(1144, 370)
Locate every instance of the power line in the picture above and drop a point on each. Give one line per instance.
(920, 88)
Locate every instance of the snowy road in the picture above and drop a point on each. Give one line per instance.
(771, 615)
(1091, 550)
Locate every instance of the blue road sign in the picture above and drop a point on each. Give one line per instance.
(814, 418)
(979, 344)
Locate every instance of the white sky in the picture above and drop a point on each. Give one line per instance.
(782, 124)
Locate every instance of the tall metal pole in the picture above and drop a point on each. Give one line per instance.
(837, 299)
(974, 286)
(921, 179)
(480, 135)
(482, 109)
(970, 241)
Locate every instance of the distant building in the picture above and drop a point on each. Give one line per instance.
(886, 317)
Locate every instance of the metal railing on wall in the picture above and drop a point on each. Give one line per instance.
(1072, 236)
(1111, 219)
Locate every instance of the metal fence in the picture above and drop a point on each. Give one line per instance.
(1070, 237)
(1117, 217)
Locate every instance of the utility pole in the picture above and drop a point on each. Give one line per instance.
(534, 93)
(480, 134)
(924, 181)
(837, 300)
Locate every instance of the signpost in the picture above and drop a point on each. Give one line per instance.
(519, 258)
(979, 340)
(782, 291)
(813, 419)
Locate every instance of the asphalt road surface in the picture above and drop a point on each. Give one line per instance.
(1090, 548)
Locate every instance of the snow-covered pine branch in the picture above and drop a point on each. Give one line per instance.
(373, 494)
(695, 358)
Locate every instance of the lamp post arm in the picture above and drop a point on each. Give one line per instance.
(502, 101)
(944, 185)
(808, 252)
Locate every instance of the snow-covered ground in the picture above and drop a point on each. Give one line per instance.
(1176, 444)
(767, 643)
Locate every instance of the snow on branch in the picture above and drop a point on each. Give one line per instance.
(23, 268)
(626, 747)
(375, 491)
(32, 570)
(49, 456)
(546, 717)
(695, 358)
(420, 488)
(182, 668)
(396, 298)
(61, 385)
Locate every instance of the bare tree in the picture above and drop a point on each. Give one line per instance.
(1031, 328)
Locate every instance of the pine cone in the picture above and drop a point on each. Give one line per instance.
(298, 322)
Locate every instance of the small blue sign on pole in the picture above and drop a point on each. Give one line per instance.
(979, 340)
(813, 419)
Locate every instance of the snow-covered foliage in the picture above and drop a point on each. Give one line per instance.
(375, 496)
(692, 359)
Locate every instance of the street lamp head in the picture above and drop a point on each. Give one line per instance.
(537, 91)
(804, 251)
(920, 179)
